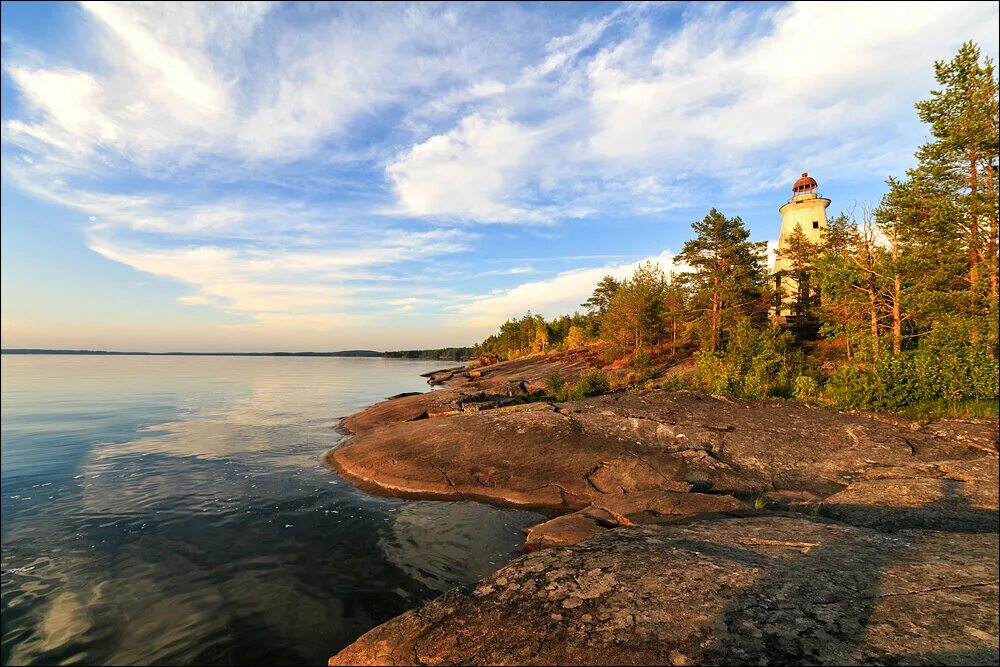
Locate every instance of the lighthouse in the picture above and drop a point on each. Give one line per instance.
(805, 210)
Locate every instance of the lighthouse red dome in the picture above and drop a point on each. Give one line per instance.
(804, 184)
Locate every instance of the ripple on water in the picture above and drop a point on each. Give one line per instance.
(175, 510)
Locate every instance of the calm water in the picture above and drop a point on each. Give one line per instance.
(175, 510)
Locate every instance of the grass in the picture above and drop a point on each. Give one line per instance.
(941, 409)
(592, 382)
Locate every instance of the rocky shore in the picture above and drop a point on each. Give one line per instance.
(687, 528)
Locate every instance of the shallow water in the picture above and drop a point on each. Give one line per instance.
(174, 510)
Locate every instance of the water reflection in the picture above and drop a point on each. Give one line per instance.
(175, 510)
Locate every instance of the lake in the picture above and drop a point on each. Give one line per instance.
(176, 510)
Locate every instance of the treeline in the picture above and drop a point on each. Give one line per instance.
(533, 333)
(897, 307)
(444, 354)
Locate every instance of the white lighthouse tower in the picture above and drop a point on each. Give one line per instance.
(806, 210)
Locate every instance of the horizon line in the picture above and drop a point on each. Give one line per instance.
(340, 353)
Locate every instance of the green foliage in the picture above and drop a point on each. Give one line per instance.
(805, 388)
(532, 333)
(603, 293)
(641, 363)
(575, 337)
(592, 382)
(757, 363)
(554, 384)
(728, 277)
(633, 317)
(944, 368)
(675, 382)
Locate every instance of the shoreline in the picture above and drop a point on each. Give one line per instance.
(656, 463)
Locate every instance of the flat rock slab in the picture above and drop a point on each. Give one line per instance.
(563, 457)
(400, 409)
(943, 495)
(613, 511)
(769, 589)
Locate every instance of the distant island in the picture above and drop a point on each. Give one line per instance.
(444, 353)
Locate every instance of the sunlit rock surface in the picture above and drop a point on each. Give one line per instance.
(773, 589)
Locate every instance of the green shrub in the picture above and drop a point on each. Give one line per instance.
(592, 382)
(675, 382)
(930, 374)
(805, 388)
(756, 363)
(711, 373)
(554, 384)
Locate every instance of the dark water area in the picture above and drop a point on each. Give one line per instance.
(174, 510)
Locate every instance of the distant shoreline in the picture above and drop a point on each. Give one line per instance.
(345, 353)
(441, 354)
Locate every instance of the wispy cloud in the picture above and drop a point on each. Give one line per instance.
(653, 118)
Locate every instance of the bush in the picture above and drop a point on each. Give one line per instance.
(591, 383)
(554, 384)
(675, 382)
(805, 388)
(851, 386)
(757, 363)
(930, 374)
(711, 373)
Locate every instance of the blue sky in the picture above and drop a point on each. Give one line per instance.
(321, 177)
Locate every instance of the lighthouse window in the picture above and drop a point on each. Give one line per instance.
(815, 224)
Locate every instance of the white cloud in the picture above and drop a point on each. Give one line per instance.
(465, 172)
(182, 78)
(651, 120)
(822, 70)
(183, 82)
(279, 280)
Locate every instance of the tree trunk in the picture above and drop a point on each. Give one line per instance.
(897, 323)
(897, 288)
(673, 339)
(715, 312)
(991, 244)
(873, 316)
(973, 233)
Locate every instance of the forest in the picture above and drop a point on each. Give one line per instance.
(901, 313)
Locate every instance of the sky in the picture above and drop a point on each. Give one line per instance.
(257, 177)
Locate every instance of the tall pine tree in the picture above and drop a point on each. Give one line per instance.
(728, 274)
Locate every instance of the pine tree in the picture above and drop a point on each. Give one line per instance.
(728, 272)
(605, 290)
(675, 303)
(851, 272)
(633, 316)
(801, 253)
(961, 161)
